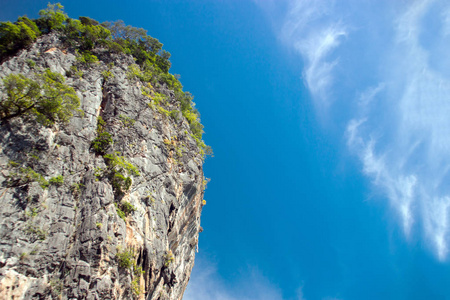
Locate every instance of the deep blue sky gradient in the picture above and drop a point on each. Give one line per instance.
(285, 197)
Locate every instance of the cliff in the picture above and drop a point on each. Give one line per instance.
(108, 204)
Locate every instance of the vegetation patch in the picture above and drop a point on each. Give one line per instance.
(124, 209)
(85, 35)
(27, 175)
(37, 232)
(127, 121)
(57, 180)
(103, 140)
(45, 96)
(87, 58)
(168, 258)
(125, 258)
(119, 172)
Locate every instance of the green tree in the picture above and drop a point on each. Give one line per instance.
(163, 61)
(46, 97)
(16, 36)
(85, 33)
(52, 18)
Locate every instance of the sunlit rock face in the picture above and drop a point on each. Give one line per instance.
(77, 236)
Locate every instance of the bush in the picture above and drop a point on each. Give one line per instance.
(101, 143)
(120, 182)
(28, 175)
(127, 207)
(120, 212)
(120, 164)
(124, 209)
(57, 180)
(125, 259)
(104, 139)
(87, 58)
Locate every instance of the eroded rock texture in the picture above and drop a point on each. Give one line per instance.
(67, 241)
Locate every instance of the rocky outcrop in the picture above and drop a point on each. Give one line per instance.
(66, 231)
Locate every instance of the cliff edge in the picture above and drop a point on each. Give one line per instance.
(107, 204)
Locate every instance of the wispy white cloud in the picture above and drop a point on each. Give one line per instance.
(399, 117)
(308, 29)
(206, 284)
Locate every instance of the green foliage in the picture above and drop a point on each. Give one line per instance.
(124, 209)
(136, 42)
(127, 121)
(204, 149)
(88, 21)
(76, 188)
(36, 232)
(125, 258)
(101, 124)
(98, 172)
(103, 140)
(33, 212)
(120, 164)
(51, 18)
(120, 182)
(28, 175)
(73, 72)
(13, 164)
(30, 24)
(163, 111)
(34, 156)
(16, 36)
(118, 172)
(135, 286)
(120, 212)
(174, 114)
(159, 98)
(87, 58)
(101, 143)
(168, 258)
(134, 73)
(127, 207)
(152, 63)
(107, 74)
(85, 34)
(57, 180)
(163, 61)
(46, 97)
(31, 63)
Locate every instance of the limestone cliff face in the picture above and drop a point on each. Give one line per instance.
(78, 238)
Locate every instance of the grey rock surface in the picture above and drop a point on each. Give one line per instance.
(65, 241)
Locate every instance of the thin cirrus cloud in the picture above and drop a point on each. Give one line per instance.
(315, 35)
(393, 56)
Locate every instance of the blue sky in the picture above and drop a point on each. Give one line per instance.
(330, 126)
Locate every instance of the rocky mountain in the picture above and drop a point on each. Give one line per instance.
(105, 204)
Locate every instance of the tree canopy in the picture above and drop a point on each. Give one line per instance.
(46, 97)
